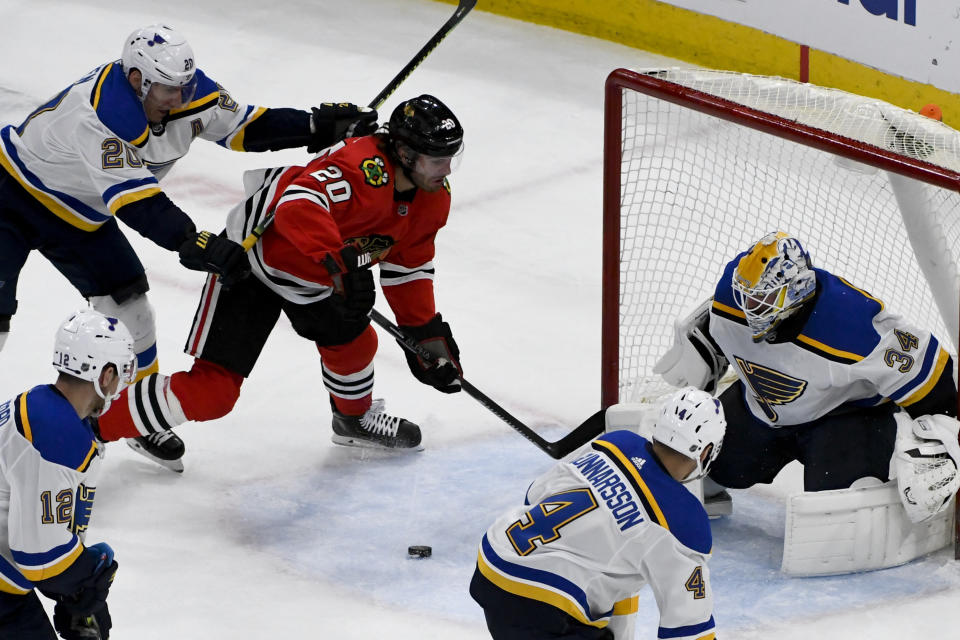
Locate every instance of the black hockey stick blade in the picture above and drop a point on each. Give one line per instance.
(463, 8)
(592, 427)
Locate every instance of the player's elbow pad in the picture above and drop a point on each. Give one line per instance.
(693, 360)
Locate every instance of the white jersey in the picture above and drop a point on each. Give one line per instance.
(596, 529)
(90, 150)
(852, 353)
(49, 459)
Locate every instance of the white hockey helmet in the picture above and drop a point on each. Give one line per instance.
(87, 342)
(690, 423)
(162, 56)
(772, 281)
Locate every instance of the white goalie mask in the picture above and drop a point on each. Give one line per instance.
(690, 423)
(163, 57)
(772, 281)
(87, 342)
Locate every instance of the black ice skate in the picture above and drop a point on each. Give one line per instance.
(376, 429)
(163, 447)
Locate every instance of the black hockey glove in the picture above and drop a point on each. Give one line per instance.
(354, 290)
(443, 373)
(332, 122)
(204, 251)
(72, 626)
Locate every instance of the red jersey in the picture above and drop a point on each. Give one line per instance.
(344, 195)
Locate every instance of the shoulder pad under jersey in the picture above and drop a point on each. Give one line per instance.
(45, 418)
(117, 105)
(668, 502)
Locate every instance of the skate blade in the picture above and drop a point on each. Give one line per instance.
(174, 465)
(359, 443)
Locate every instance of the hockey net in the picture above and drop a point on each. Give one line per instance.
(700, 164)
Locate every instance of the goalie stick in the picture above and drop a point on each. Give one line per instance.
(587, 431)
(463, 8)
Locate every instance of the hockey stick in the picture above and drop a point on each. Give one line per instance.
(463, 8)
(591, 427)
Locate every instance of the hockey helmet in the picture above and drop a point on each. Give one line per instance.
(772, 281)
(87, 342)
(162, 56)
(425, 135)
(690, 423)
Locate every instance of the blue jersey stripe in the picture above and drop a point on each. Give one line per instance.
(42, 558)
(933, 349)
(543, 577)
(79, 207)
(688, 630)
(127, 185)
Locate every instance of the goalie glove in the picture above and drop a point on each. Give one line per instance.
(444, 372)
(693, 360)
(925, 463)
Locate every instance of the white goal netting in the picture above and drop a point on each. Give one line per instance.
(696, 189)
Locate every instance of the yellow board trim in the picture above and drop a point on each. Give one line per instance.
(921, 393)
(712, 42)
(535, 593)
(236, 143)
(819, 346)
(729, 310)
(632, 470)
(35, 575)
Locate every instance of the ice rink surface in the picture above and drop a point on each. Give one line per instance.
(274, 532)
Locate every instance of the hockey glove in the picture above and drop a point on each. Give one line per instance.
(204, 251)
(353, 289)
(332, 122)
(444, 372)
(72, 626)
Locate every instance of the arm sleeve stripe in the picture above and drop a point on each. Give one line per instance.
(932, 352)
(236, 142)
(552, 589)
(11, 580)
(942, 358)
(20, 414)
(51, 563)
(132, 196)
(643, 491)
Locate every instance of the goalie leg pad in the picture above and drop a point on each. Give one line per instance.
(857, 529)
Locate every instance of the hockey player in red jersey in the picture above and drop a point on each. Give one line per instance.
(378, 199)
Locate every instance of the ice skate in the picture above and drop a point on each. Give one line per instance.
(163, 447)
(376, 429)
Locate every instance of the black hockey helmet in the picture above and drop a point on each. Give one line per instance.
(426, 126)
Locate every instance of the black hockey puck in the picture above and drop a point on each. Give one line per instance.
(419, 551)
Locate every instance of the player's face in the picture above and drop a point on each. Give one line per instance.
(429, 172)
(160, 100)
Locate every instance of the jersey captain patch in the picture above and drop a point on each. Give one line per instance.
(770, 387)
(374, 173)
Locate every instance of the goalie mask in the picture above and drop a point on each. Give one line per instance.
(164, 59)
(772, 281)
(89, 341)
(691, 423)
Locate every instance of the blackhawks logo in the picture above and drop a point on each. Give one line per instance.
(376, 245)
(373, 172)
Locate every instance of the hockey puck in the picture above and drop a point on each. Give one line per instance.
(419, 551)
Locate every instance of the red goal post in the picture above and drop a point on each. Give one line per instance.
(699, 164)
